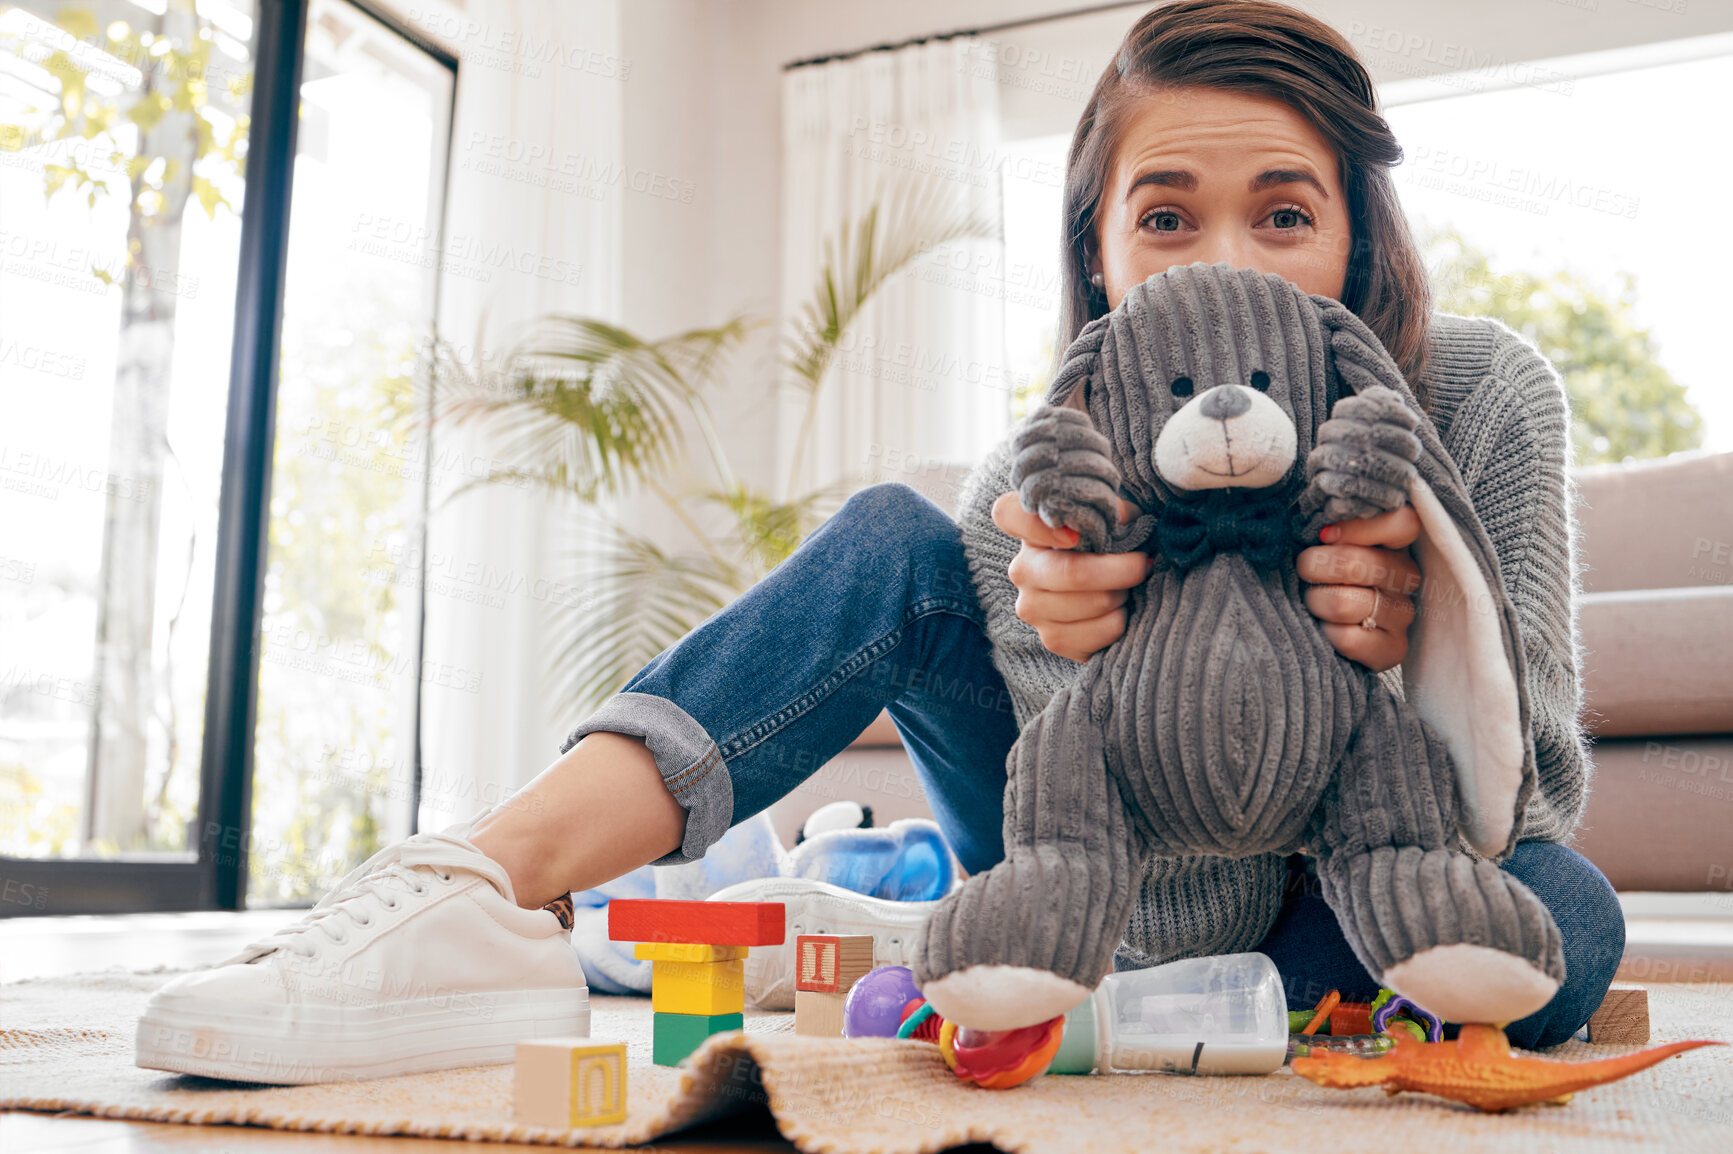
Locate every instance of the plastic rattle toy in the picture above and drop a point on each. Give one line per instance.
(875, 1004)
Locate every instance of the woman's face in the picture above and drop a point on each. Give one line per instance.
(1189, 184)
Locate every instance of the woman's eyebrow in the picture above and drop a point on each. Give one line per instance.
(1187, 181)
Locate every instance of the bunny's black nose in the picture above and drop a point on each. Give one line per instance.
(1224, 401)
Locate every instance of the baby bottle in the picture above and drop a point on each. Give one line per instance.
(1220, 1015)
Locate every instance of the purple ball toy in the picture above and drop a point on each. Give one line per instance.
(874, 1006)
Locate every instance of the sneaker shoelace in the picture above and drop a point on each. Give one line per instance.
(380, 882)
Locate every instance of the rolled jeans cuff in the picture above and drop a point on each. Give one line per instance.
(692, 767)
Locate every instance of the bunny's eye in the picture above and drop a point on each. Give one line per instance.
(1182, 386)
(1261, 381)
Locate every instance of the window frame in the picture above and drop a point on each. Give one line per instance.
(217, 879)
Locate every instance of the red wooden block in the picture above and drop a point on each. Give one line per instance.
(704, 923)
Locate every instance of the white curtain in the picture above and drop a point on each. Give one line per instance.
(921, 386)
(501, 558)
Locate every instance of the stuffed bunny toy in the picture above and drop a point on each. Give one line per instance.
(1223, 721)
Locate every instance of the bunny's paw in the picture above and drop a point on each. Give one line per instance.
(1364, 460)
(1062, 469)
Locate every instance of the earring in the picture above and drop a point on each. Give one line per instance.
(1095, 279)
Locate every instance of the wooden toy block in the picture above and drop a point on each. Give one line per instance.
(831, 963)
(703, 988)
(677, 1035)
(1623, 1016)
(817, 1014)
(686, 952)
(566, 1082)
(705, 923)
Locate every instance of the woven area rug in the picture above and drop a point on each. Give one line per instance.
(66, 1045)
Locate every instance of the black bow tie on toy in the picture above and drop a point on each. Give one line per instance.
(1257, 523)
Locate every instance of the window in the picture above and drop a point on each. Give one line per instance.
(1595, 170)
(339, 668)
(1033, 182)
(146, 174)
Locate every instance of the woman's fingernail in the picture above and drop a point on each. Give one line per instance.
(1329, 533)
(1149, 566)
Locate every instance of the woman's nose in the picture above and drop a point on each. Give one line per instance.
(1220, 247)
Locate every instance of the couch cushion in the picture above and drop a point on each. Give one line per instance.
(1659, 813)
(1658, 524)
(1658, 661)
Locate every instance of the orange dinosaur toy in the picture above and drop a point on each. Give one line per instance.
(1477, 1069)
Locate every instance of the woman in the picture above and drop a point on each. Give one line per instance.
(1236, 130)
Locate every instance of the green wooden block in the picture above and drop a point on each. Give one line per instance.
(677, 1035)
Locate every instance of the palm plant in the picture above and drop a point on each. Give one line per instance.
(590, 410)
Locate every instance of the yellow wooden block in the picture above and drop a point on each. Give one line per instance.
(686, 952)
(705, 988)
(566, 1082)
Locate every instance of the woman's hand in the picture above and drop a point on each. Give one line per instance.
(1075, 601)
(1362, 555)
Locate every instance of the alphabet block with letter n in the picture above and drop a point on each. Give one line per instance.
(568, 1082)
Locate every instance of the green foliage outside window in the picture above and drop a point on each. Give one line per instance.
(1625, 405)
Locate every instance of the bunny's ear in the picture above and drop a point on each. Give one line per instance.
(1081, 360)
(1465, 672)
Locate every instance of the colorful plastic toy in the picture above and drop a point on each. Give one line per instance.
(999, 1060)
(1306, 1036)
(875, 1004)
(1383, 1018)
(1334, 1017)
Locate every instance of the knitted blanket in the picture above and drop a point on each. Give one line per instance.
(66, 1045)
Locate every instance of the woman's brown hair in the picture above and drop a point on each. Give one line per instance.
(1274, 51)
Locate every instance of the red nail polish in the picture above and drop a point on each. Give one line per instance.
(1329, 533)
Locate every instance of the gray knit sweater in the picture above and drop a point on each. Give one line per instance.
(1500, 410)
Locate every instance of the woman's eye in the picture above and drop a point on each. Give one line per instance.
(1285, 218)
(1163, 215)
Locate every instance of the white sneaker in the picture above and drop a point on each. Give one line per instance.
(821, 908)
(419, 959)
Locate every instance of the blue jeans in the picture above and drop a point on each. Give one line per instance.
(876, 610)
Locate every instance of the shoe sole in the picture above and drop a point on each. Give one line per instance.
(821, 908)
(301, 1045)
